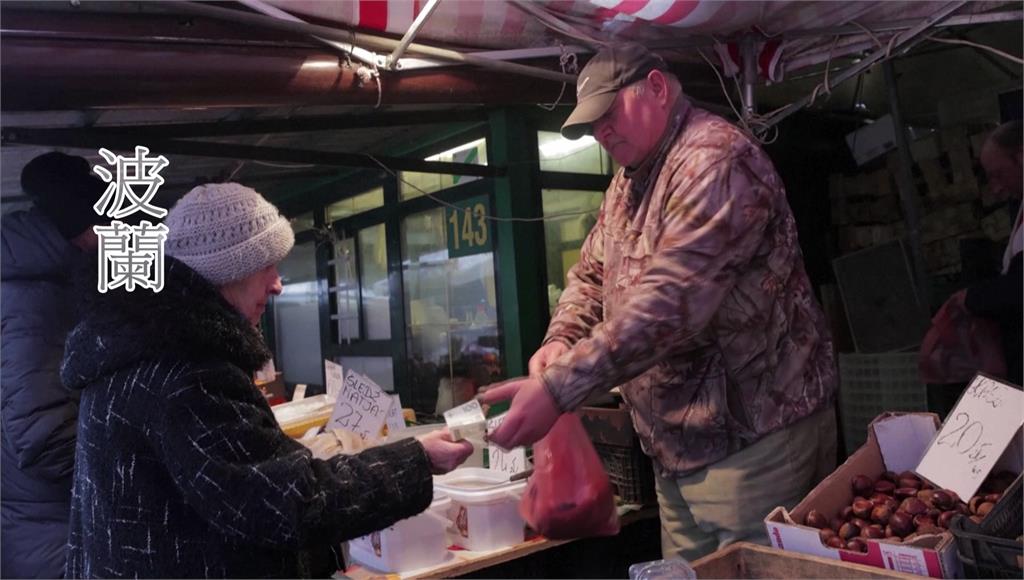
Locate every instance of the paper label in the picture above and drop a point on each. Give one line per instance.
(394, 420)
(299, 393)
(508, 462)
(267, 373)
(335, 377)
(361, 408)
(976, 432)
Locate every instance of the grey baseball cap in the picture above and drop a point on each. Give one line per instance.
(612, 68)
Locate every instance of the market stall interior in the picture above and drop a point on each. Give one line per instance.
(437, 210)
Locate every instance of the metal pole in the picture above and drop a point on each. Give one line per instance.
(907, 189)
(749, 75)
(903, 41)
(421, 19)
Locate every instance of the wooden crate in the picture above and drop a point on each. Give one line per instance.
(744, 560)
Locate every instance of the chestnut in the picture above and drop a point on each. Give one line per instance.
(885, 486)
(856, 545)
(849, 531)
(860, 523)
(862, 485)
(976, 519)
(825, 535)
(929, 528)
(975, 502)
(862, 508)
(926, 486)
(889, 532)
(913, 506)
(909, 482)
(881, 514)
(879, 498)
(901, 523)
(945, 518)
(836, 523)
(873, 532)
(993, 497)
(836, 542)
(985, 508)
(942, 499)
(926, 495)
(923, 521)
(890, 477)
(815, 519)
(846, 513)
(902, 493)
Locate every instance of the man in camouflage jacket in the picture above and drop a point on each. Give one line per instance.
(691, 295)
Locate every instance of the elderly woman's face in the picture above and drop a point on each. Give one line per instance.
(250, 294)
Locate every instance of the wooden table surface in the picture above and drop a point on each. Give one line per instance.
(463, 562)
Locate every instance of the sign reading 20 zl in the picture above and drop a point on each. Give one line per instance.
(468, 229)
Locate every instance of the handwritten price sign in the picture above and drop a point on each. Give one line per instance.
(335, 378)
(974, 436)
(507, 462)
(395, 421)
(362, 407)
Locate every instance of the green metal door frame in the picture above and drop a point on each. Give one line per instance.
(521, 262)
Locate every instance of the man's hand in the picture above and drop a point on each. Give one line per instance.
(546, 355)
(444, 454)
(531, 416)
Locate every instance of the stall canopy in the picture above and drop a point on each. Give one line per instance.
(789, 35)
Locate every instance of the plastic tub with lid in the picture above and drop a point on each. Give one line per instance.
(297, 417)
(485, 508)
(411, 544)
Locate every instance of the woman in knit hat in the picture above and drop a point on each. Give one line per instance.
(182, 470)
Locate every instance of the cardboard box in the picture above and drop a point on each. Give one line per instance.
(896, 442)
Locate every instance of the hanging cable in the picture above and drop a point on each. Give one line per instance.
(977, 45)
(569, 65)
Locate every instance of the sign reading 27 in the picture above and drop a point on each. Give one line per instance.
(468, 230)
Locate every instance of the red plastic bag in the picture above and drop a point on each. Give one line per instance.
(959, 345)
(569, 495)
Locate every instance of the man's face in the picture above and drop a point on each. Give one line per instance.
(634, 123)
(250, 294)
(1004, 172)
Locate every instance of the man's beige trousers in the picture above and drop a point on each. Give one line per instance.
(728, 501)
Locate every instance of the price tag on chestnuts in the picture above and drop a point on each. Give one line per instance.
(977, 431)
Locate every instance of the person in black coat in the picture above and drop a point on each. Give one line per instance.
(1002, 298)
(182, 469)
(39, 249)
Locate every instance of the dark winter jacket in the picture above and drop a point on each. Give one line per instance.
(182, 470)
(1000, 299)
(39, 414)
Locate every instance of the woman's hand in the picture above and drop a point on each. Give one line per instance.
(444, 454)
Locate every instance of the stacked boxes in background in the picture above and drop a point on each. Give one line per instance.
(866, 209)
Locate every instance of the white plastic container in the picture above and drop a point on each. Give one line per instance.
(296, 417)
(411, 544)
(485, 508)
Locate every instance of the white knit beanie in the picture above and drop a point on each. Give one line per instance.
(226, 231)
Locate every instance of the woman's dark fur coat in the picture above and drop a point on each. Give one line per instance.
(181, 469)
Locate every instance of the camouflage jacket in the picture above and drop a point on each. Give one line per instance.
(690, 294)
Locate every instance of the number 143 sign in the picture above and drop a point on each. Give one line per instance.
(467, 227)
